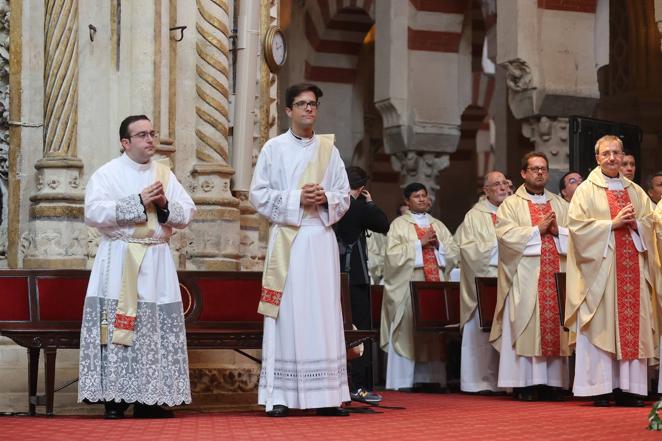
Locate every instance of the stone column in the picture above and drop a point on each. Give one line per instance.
(57, 237)
(215, 232)
(417, 44)
(542, 91)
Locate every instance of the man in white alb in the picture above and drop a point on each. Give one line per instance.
(133, 341)
(301, 187)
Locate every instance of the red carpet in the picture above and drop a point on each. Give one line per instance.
(426, 417)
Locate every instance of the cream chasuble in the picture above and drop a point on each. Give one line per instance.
(522, 255)
(399, 269)
(595, 298)
(476, 238)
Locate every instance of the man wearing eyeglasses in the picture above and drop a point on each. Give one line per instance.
(301, 187)
(608, 301)
(479, 256)
(133, 341)
(568, 184)
(526, 330)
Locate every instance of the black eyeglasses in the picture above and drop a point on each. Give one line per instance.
(143, 135)
(305, 104)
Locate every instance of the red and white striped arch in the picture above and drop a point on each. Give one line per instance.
(335, 30)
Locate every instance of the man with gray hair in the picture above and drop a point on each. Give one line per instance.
(608, 301)
(479, 256)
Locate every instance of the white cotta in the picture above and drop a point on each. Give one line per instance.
(154, 370)
(303, 353)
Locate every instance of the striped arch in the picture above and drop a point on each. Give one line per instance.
(335, 31)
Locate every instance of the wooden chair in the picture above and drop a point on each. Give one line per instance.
(560, 293)
(486, 290)
(436, 305)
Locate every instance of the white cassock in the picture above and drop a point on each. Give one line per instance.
(154, 370)
(521, 371)
(303, 351)
(479, 365)
(403, 372)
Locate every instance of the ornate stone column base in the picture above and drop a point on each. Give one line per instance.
(252, 250)
(214, 236)
(57, 236)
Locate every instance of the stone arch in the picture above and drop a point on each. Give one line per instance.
(340, 37)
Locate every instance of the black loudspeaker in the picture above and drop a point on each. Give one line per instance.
(584, 132)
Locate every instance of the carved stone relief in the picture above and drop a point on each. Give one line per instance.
(422, 167)
(550, 136)
(518, 75)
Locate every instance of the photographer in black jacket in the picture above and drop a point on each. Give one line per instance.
(363, 215)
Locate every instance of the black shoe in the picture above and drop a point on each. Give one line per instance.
(626, 399)
(332, 411)
(114, 411)
(364, 396)
(279, 411)
(146, 411)
(550, 393)
(528, 393)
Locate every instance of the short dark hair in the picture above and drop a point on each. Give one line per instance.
(297, 89)
(357, 177)
(649, 179)
(627, 152)
(124, 126)
(562, 181)
(413, 188)
(534, 154)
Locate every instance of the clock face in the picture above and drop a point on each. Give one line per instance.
(278, 49)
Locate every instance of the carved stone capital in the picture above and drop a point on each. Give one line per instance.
(420, 167)
(550, 136)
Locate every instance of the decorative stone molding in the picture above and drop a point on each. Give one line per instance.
(518, 75)
(420, 167)
(4, 123)
(223, 380)
(550, 136)
(57, 237)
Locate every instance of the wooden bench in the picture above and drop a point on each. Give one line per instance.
(42, 309)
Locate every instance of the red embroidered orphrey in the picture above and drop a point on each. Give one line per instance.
(627, 280)
(493, 218)
(125, 322)
(271, 296)
(550, 327)
(430, 264)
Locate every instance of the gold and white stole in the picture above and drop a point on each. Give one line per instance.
(127, 306)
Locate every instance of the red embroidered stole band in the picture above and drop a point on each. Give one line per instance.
(271, 296)
(627, 280)
(430, 263)
(493, 218)
(550, 328)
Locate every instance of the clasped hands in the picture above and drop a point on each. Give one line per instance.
(548, 224)
(429, 239)
(154, 193)
(312, 194)
(626, 217)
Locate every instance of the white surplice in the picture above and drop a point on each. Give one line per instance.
(154, 370)
(303, 351)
